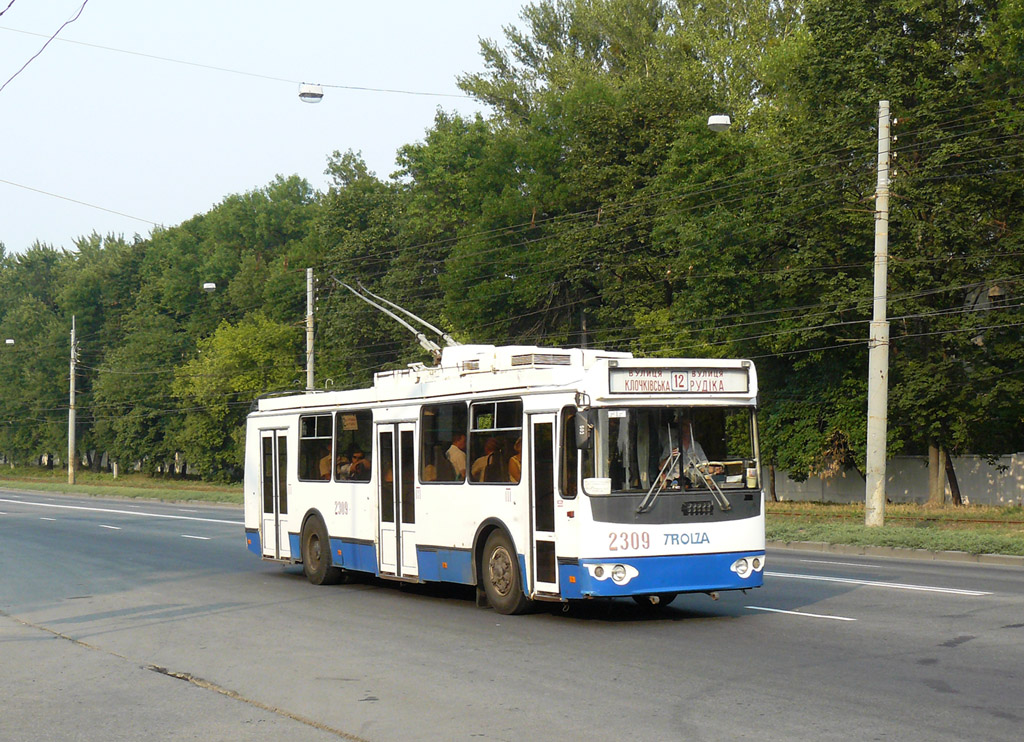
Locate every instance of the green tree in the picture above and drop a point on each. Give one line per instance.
(356, 238)
(134, 411)
(33, 381)
(34, 375)
(953, 229)
(592, 102)
(235, 365)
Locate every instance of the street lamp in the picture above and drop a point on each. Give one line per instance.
(209, 287)
(9, 341)
(719, 122)
(310, 93)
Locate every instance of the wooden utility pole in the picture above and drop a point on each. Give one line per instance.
(878, 344)
(71, 409)
(309, 329)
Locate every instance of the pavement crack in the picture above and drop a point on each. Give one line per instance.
(235, 695)
(196, 681)
(956, 642)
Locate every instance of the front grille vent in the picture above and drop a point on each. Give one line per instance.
(698, 507)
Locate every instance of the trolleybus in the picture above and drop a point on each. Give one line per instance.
(533, 474)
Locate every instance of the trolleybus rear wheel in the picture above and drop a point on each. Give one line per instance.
(316, 554)
(500, 575)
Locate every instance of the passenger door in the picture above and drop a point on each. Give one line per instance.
(274, 486)
(396, 491)
(542, 503)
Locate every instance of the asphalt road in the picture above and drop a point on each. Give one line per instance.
(122, 620)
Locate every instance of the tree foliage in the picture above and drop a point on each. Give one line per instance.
(237, 364)
(592, 205)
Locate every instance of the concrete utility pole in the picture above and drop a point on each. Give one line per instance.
(71, 409)
(309, 328)
(878, 344)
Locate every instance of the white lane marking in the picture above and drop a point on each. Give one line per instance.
(197, 538)
(53, 519)
(112, 528)
(840, 564)
(871, 583)
(798, 613)
(121, 512)
(187, 510)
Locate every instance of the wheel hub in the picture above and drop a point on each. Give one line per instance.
(500, 569)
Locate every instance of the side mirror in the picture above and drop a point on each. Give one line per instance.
(584, 429)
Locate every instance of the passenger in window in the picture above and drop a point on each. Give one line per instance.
(488, 468)
(325, 465)
(693, 452)
(359, 467)
(515, 464)
(456, 455)
(691, 461)
(443, 471)
(341, 467)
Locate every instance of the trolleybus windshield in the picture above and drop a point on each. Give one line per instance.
(671, 448)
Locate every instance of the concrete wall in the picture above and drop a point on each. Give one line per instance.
(981, 483)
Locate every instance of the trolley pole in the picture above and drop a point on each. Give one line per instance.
(309, 329)
(71, 409)
(878, 344)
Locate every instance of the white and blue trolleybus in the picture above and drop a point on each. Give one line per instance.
(533, 474)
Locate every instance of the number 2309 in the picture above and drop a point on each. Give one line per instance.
(628, 541)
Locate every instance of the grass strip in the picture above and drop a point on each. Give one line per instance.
(134, 486)
(975, 530)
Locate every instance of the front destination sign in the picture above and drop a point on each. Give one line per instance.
(677, 380)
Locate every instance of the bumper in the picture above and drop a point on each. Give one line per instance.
(592, 578)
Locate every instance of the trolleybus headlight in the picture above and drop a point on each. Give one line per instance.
(621, 574)
(741, 567)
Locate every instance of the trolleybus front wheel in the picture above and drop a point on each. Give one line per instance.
(500, 575)
(316, 554)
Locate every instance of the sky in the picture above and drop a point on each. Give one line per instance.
(158, 141)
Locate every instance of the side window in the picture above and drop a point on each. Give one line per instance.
(315, 448)
(353, 446)
(496, 442)
(443, 441)
(568, 455)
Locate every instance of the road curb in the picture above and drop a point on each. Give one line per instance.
(1003, 560)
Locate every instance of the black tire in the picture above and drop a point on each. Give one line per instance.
(663, 600)
(316, 554)
(499, 573)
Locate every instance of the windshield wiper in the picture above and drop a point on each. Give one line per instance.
(709, 482)
(659, 483)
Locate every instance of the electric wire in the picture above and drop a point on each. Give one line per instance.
(43, 48)
(216, 68)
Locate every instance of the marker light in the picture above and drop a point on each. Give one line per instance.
(745, 566)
